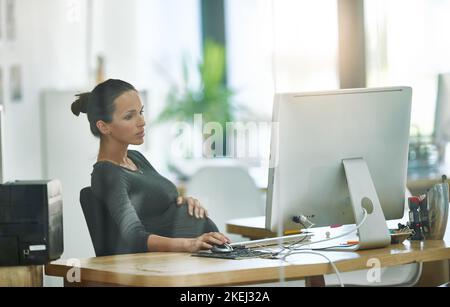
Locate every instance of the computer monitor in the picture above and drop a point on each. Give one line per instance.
(333, 153)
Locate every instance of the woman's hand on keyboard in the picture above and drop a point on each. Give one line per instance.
(194, 206)
(206, 241)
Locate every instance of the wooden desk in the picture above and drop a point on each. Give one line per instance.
(21, 276)
(181, 269)
(252, 228)
(434, 273)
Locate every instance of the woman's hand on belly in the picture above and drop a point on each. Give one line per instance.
(194, 207)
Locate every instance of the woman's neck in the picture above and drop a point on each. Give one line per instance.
(112, 151)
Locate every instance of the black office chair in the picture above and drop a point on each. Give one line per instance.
(102, 228)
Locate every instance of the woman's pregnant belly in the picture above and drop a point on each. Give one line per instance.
(177, 223)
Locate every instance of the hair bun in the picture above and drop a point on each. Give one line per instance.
(80, 105)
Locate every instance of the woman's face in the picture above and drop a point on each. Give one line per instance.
(128, 122)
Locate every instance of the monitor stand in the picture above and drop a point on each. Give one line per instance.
(374, 233)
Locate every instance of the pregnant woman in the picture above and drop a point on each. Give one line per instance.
(145, 206)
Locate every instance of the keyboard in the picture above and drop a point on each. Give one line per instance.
(237, 254)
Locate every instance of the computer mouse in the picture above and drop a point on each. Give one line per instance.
(224, 248)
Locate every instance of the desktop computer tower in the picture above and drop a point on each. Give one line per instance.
(31, 222)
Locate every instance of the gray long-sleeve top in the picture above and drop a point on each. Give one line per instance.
(143, 202)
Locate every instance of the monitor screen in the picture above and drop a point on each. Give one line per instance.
(315, 133)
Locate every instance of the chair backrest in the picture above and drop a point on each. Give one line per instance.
(227, 192)
(102, 228)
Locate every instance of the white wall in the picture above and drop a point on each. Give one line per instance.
(50, 51)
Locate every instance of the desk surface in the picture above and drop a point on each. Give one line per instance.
(181, 269)
(21, 276)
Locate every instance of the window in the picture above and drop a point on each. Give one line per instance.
(287, 46)
(408, 43)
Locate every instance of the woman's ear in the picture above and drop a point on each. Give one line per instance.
(103, 127)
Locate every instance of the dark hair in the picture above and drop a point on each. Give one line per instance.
(99, 103)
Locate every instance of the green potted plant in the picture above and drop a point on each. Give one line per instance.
(211, 98)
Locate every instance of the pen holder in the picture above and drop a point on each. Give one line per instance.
(437, 203)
